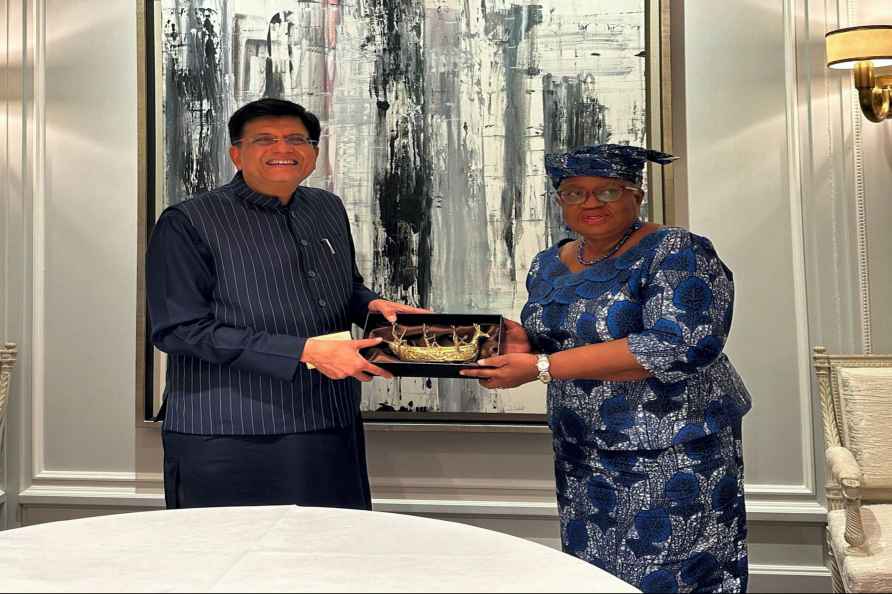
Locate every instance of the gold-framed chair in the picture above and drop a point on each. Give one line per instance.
(856, 406)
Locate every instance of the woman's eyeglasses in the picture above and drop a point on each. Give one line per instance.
(573, 196)
(270, 140)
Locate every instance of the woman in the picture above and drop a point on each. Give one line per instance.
(626, 325)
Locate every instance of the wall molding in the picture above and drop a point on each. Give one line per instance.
(454, 507)
(791, 570)
(545, 488)
(780, 491)
(25, 22)
(450, 497)
(760, 511)
(92, 479)
(860, 206)
(402, 427)
(861, 227)
(789, 578)
(69, 497)
(89, 488)
(465, 488)
(38, 237)
(783, 512)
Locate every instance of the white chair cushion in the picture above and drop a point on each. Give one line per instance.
(866, 395)
(868, 569)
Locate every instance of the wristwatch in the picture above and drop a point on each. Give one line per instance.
(542, 364)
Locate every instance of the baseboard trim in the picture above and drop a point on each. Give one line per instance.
(95, 478)
(783, 511)
(433, 507)
(789, 578)
(91, 497)
(791, 570)
(776, 491)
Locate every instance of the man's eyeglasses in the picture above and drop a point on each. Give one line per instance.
(270, 140)
(574, 196)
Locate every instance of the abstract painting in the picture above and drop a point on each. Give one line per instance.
(436, 116)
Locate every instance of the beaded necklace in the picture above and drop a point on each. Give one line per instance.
(580, 248)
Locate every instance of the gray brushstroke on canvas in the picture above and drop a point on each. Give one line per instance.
(193, 77)
(461, 257)
(279, 32)
(402, 249)
(402, 167)
(507, 30)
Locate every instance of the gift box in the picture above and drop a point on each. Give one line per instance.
(440, 336)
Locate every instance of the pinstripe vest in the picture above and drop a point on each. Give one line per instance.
(283, 269)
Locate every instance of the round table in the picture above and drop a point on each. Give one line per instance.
(284, 549)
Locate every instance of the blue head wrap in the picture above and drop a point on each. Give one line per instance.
(618, 161)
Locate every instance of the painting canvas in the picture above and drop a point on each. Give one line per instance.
(436, 116)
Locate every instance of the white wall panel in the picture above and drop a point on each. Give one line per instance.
(88, 227)
(739, 195)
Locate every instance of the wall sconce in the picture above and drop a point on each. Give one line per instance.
(861, 49)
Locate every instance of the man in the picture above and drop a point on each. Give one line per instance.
(240, 280)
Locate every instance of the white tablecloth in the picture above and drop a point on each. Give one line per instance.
(284, 548)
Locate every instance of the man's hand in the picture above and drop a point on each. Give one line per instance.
(389, 309)
(509, 371)
(339, 359)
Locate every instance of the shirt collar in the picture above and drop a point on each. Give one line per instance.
(244, 191)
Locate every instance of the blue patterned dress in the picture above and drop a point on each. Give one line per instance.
(649, 473)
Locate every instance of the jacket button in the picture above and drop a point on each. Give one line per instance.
(311, 274)
(322, 303)
(304, 242)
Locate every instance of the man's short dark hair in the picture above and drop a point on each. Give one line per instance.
(270, 107)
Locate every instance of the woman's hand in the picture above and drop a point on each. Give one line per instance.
(516, 339)
(508, 371)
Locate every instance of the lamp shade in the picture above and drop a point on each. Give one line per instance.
(846, 47)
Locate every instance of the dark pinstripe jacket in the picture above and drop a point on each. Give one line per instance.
(236, 283)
